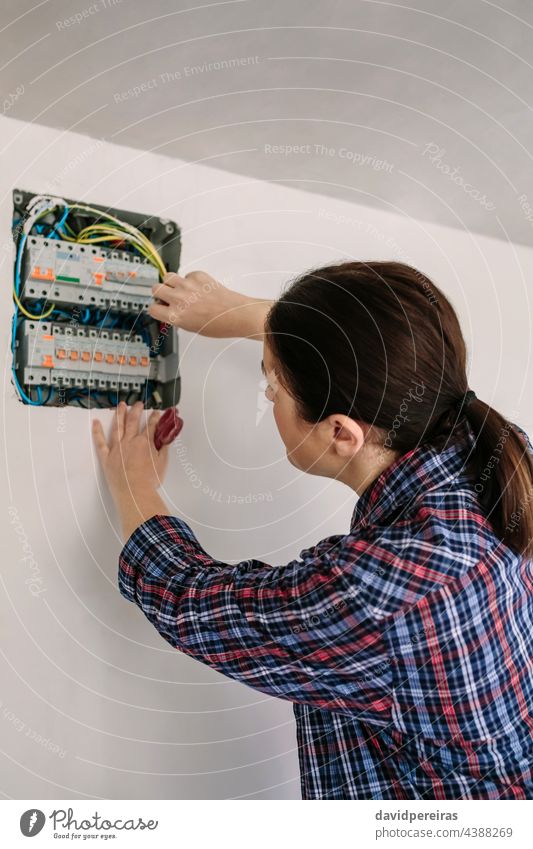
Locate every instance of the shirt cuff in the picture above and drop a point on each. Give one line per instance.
(162, 544)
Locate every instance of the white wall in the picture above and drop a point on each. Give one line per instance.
(125, 715)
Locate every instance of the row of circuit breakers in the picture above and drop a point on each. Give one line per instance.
(55, 355)
(98, 345)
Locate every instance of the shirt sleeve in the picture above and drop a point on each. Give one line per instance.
(302, 632)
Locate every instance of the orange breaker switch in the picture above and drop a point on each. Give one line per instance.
(98, 356)
(38, 273)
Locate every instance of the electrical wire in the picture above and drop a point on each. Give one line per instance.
(116, 230)
(64, 313)
(60, 224)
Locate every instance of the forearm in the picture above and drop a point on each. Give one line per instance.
(247, 320)
(136, 506)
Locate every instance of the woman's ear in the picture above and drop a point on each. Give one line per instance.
(346, 435)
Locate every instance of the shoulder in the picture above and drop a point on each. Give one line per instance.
(430, 544)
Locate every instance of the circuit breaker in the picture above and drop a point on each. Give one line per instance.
(83, 282)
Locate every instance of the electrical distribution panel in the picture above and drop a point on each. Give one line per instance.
(83, 284)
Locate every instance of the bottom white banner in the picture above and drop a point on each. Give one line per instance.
(163, 823)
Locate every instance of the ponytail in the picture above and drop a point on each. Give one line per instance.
(503, 465)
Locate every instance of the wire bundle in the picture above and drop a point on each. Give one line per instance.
(117, 231)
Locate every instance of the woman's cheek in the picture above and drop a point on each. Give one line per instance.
(279, 419)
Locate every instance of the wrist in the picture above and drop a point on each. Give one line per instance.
(137, 505)
(250, 315)
(132, 491)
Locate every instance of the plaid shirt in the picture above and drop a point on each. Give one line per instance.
(405, 645)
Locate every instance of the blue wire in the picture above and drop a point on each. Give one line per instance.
(58, 227)
(101, 322)
(18, 263)
(65, 215)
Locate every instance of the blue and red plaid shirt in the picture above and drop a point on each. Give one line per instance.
(405, 645)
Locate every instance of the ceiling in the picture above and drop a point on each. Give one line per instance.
(423, 108)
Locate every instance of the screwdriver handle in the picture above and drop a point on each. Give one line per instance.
(168, 428)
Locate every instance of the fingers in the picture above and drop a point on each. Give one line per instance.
(172, 279)
(153, 421)
(133, 420)
(99, 440)
(163, 453)
(159, 290)
(171, 292)
(162, 313)
(168, 295)
(117, 428)
(167, 289)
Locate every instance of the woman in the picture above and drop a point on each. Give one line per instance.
(406, 643)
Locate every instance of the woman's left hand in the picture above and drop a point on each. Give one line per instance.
(129, 458)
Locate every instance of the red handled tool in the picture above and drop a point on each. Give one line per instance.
(168, 427)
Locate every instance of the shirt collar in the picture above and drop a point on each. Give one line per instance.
(421, 469)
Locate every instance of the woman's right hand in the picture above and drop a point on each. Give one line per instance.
(201, 304)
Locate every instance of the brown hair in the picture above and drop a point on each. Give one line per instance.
(373, 339)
